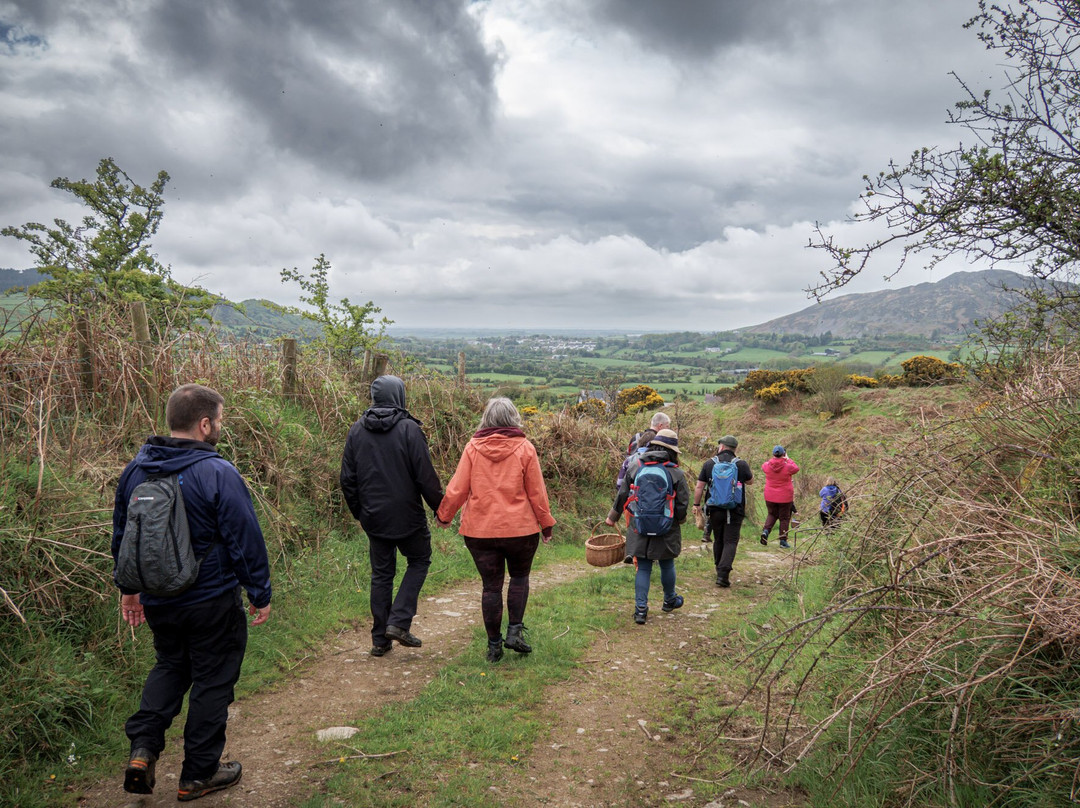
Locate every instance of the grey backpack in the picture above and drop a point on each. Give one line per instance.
(155, 555)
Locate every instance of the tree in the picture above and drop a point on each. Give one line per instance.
(347, 329)
(105, 261)
(1014, 194)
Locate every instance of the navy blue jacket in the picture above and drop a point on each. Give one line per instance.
(220, 516)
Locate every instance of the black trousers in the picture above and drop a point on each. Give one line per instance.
(494, 558)
(199, 648)
(387, 608)
(726, 525)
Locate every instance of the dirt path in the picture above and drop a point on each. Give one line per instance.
(597, 751)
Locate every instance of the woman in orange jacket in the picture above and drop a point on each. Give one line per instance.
(506, 511)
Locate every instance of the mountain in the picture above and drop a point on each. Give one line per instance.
(948, 306)
(259, 320)
(19, 278)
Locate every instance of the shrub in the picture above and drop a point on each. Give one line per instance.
(637, 398)
(923, 371)
(773, 393)
(862, 381)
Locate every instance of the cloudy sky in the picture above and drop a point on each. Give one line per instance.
(499, 163)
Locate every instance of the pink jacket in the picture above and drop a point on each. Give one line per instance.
(778, 474)
(499, 483)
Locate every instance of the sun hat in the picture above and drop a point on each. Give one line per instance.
(666, 438)
(730, 440)
(778, 451)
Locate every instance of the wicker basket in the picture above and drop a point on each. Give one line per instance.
(604, 549)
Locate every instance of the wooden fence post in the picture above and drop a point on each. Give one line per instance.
(379, 365)
(86, 356)
(147, 384)
(461, 370)
(288, 374)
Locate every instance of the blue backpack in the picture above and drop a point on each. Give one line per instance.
(652, 499)
(725, 491)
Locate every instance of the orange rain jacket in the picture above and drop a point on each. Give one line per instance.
(499, 483)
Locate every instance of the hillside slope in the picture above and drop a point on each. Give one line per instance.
(948, 306)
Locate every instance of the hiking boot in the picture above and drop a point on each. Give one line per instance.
(722, 578)
(673, 604)
(628, 560)
(139, 776)
(514, 640)
(640, 615)
(495, 650)
(764, 537)
(784, 544)
(228, 774)
(705, 537)
(403, 637)
(381, 650)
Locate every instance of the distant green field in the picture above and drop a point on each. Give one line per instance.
(604, 362)
(754, 355)
(872, 357)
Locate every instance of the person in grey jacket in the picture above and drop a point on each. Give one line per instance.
(663, 550)
(386, 477)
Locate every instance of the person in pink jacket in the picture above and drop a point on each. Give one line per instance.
(779, 493)
(499, 484)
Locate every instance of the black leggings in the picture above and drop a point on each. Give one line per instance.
(493, 558)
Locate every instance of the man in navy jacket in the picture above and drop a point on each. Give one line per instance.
(386, 476)
(200, 635)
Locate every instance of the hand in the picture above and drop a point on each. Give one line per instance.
(441, 523)
(260, 615)
(545, 537)
(609, 522)
(132, 610)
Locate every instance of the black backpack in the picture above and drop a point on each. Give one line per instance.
(155, 555)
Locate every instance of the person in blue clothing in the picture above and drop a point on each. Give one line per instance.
(200, 635)
(833, 503)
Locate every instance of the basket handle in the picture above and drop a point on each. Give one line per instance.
(607, 528)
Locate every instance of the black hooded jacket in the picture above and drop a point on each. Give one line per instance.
(386, 470)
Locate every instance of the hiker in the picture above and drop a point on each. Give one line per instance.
(631, 450)
(833, 503)
(386, 477)
(499, 486)
(724, 514)
(658, 497)
(200, 635)
(779, 493)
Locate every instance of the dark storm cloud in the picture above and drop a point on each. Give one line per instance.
(368, 89)
(696, 29)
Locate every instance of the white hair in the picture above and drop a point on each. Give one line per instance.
(500, 412)
(660, 420)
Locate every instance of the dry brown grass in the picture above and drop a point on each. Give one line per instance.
(953, 640)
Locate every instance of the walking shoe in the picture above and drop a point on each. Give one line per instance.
(705, 537)
(381, 650)
(495, 652)
(784, 544)
(640, 615)
(673, 604)
(514, 640)
(228, 774)
(628, 560)
(722, 579)
(139, 776)
(403, 637)
(764, 537)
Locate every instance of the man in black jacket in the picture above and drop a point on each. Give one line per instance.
(385, 472)
(726, 523)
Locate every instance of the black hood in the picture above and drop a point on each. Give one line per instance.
(387, 404)
(388, 391)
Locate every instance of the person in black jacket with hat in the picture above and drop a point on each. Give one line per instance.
(386, 476)
(726, 522)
